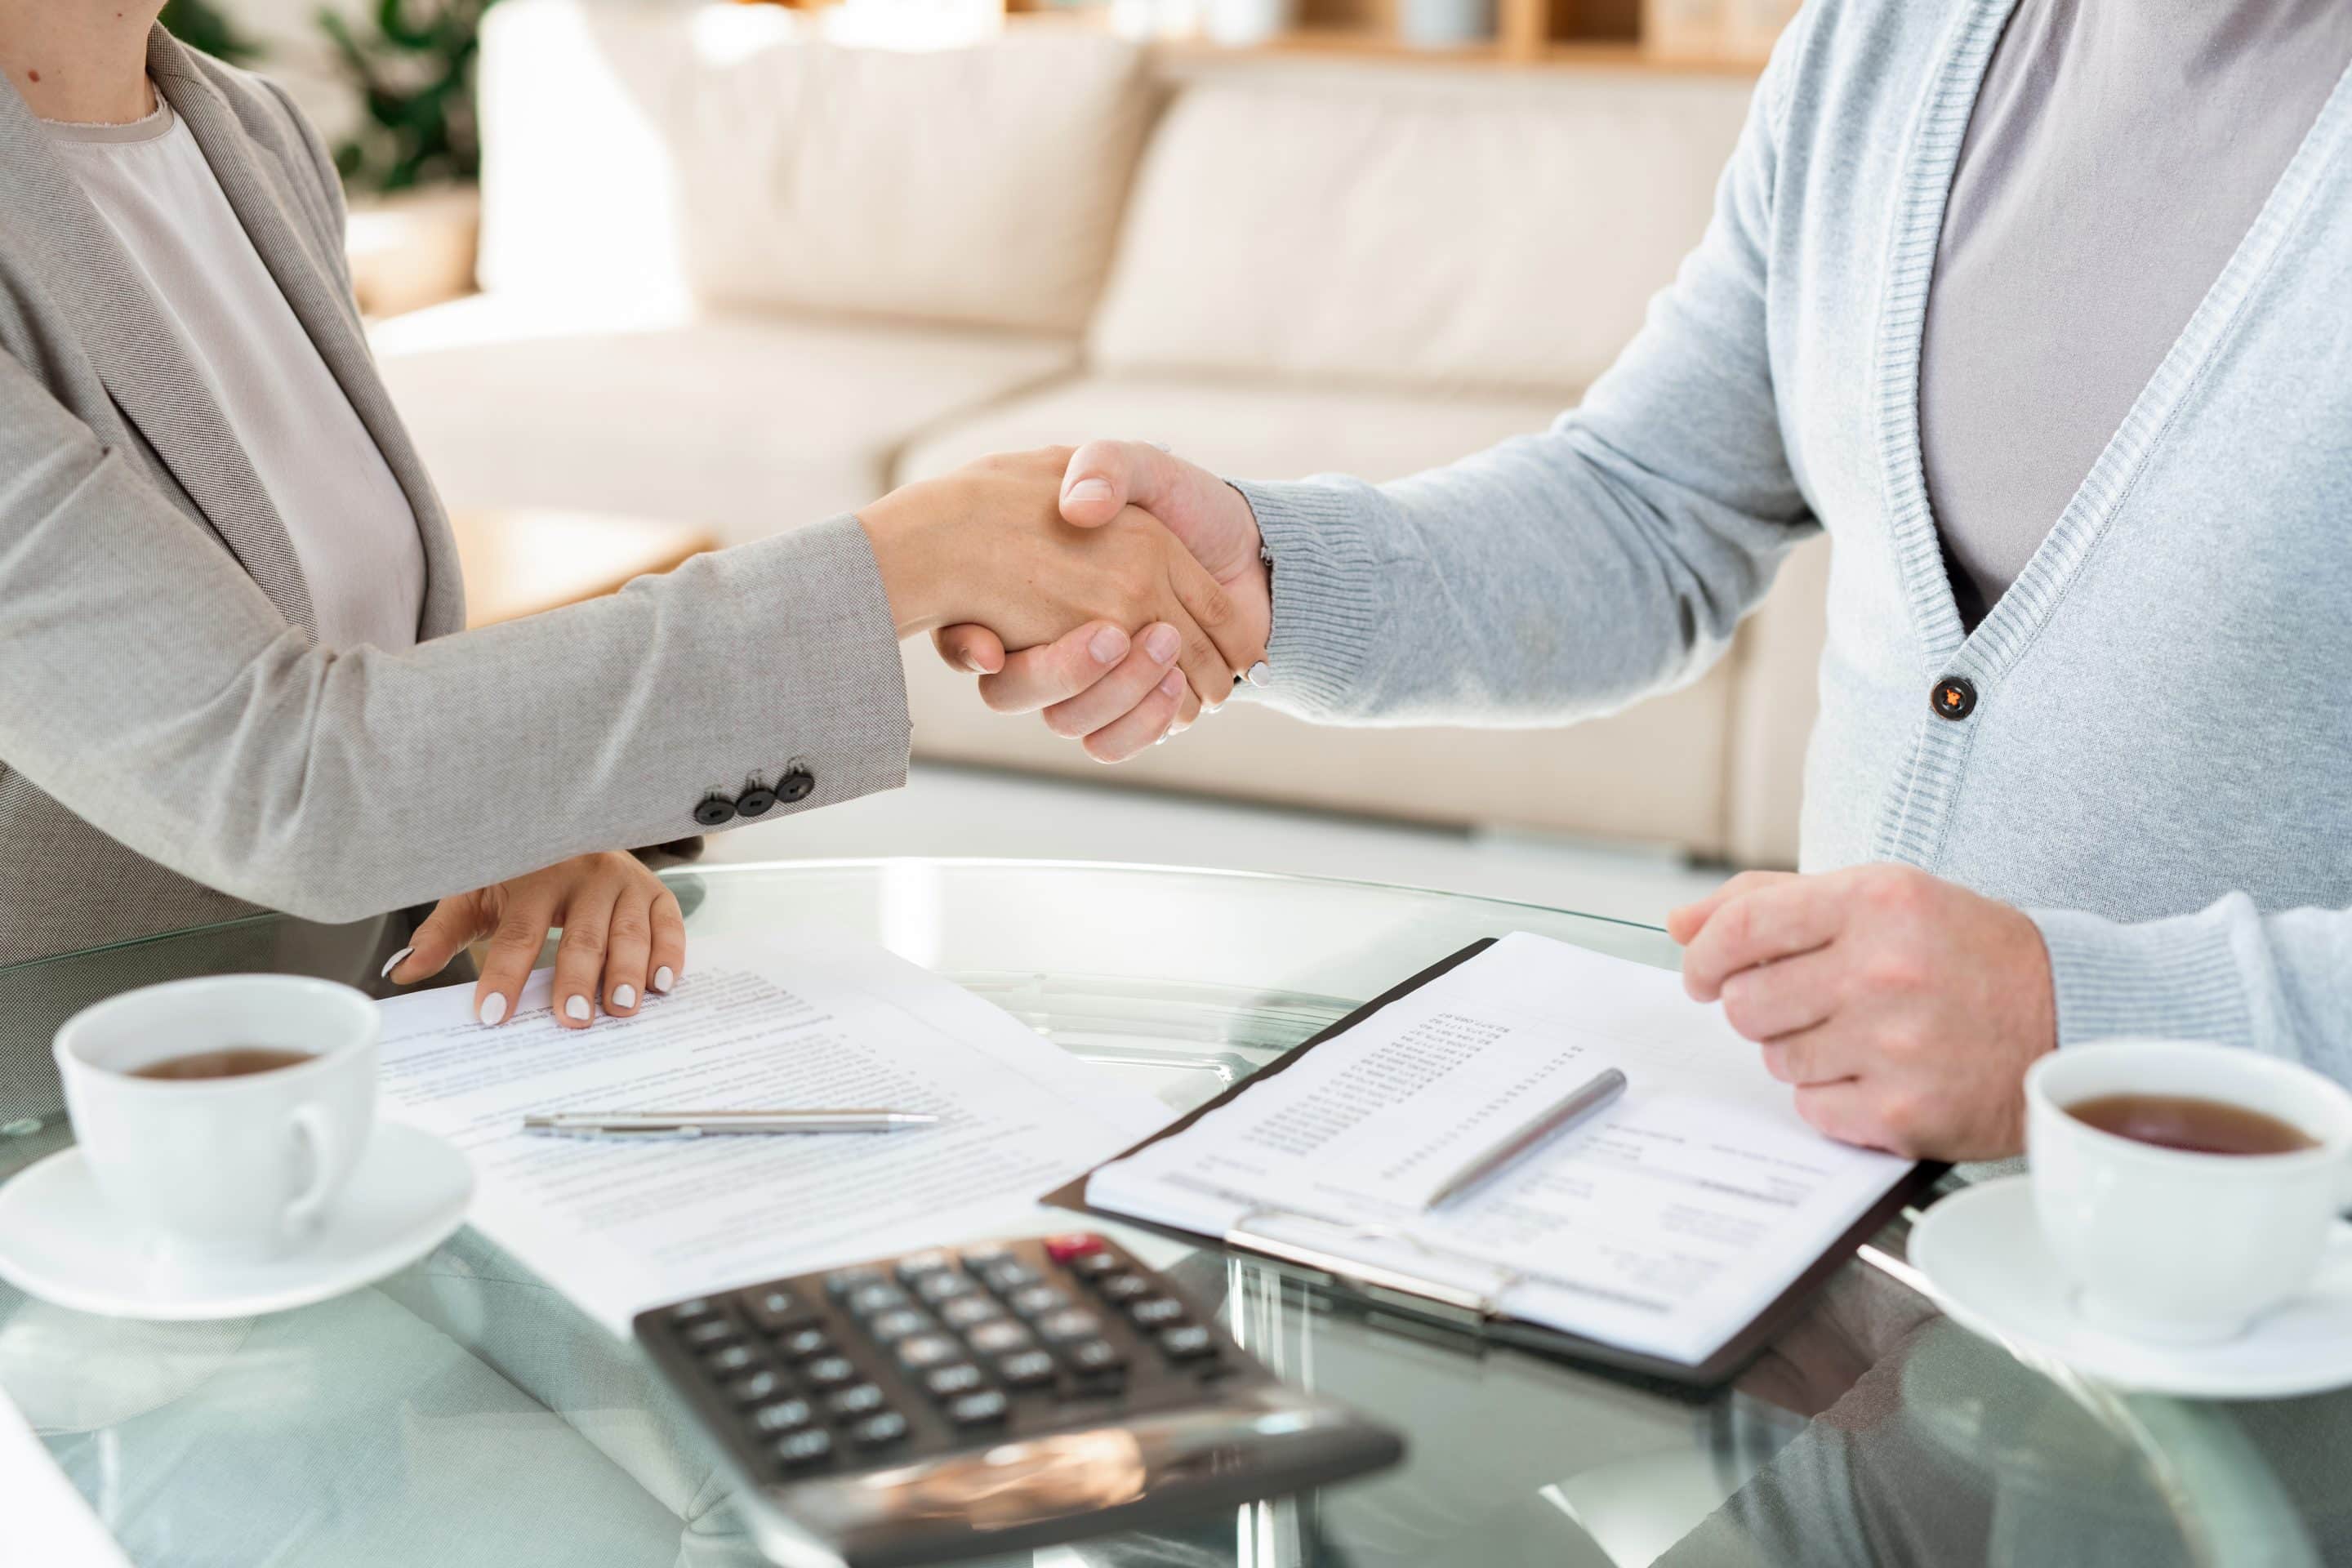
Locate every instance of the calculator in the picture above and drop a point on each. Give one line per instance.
(956, 1402)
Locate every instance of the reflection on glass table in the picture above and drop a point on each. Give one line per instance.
(462, 1412)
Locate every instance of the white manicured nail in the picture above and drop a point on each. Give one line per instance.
(392, 962)
(662, 978)
(625, 996)
(576, 1009)
(493, 1007)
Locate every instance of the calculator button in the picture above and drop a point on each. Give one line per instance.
(977, 1258)
(1025, 1368)
(870, 1299)
(1124, 1286)
(1076, 1244)
(956, 1377)
(688, 1312)
(944, 1286)
(1037, 1301)
(993, 1338)
(892, 1327)
(799, 1344)
(711, 1333)
(1009, 1275)
(875, 1430)
(1094, 1265)
(811, 1446)
(829, 1372)
(857, 1399)
(970, 1311)
(842, 1282)
(781, 1415)
(920, 1263)
(1190, 1342)
(978, 1409)
(1067, 1328)
(927, 1350)
(755, 1387)
(1156, 1311)
(1094, 1357)
(773, 1311)
(734, 1359)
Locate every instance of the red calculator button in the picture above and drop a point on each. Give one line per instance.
(1076, 1244)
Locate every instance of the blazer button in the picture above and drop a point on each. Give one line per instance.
(1954, 698)
(795, 785)
(717, 811)
(755, 801)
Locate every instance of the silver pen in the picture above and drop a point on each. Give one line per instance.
(703, 1124)
(1532, 1134)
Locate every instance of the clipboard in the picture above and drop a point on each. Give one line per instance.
(1443, 1303)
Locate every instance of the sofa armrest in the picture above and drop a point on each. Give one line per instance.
(413, 249)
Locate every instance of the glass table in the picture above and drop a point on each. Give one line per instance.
(461, 1412)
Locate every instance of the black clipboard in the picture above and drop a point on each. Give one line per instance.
(1439, 1304)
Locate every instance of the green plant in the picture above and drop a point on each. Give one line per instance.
(202, 25)
(414, 70)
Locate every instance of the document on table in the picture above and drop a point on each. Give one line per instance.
(621, 1225)
(1663, 1225)
(46, 1518)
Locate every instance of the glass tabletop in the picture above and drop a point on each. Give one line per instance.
(460, 1412)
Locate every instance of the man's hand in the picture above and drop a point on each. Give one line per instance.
(1904, 1008)
(1120, 600)
(1096, 700)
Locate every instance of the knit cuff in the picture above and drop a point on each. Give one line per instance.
(1328, 594)
(2175, 979)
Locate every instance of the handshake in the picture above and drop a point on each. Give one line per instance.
(1117, 588)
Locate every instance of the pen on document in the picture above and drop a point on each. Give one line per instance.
(702, 1123)
(1532, 1134)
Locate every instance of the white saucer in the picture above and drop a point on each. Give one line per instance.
(60, 1241)
(1989, 1268)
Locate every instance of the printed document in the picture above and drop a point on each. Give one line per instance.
(1665, 1224)
(621, 1225)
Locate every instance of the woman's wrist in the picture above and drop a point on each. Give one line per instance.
(903, 529)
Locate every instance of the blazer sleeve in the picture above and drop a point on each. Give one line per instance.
(149, 686)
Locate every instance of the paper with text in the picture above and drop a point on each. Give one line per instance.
(621, 1225)
(1663, 1224)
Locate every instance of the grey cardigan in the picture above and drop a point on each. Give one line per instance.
(173, 746)
(2158, 758)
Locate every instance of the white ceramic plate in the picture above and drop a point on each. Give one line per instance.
(60, 1241)
(1990, 1269)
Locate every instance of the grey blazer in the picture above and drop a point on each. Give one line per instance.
(174, 748)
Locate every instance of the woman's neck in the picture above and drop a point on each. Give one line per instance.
(82, 60)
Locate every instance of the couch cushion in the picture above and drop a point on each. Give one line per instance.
(1477, 232)
(727, 153)
(1654, 772)
(748, 425)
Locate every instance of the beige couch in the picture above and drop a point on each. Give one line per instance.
(734, 274)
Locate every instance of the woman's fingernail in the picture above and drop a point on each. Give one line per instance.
(625, 996)
(971, 662)
(1161, 642)
(494, 1008)
(1088, 489)
(392, 962)
(1109, 645)
(662, 978)
(576, 1009)
(1171, 683)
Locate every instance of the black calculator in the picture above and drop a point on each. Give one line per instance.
(961, 1402)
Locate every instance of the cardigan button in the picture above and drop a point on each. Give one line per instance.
(1954, 698)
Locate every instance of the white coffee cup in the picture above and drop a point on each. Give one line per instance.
(2171, 1246)
(223, 1170)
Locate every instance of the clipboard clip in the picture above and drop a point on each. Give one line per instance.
(1377, 1281)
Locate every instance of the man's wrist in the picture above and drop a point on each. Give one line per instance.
(901, 529)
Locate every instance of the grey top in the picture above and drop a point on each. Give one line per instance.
(176, 746)
(352, 530)
(2154, 765)
(2117, 155)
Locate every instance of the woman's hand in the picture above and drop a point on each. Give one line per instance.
(624, 935)
(988, 545)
